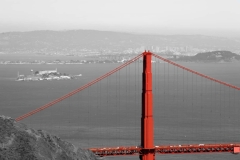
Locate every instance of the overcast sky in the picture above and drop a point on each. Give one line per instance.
(209, 17)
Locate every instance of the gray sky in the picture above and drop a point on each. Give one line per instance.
(210, 17)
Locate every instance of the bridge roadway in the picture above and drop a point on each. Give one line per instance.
(174, 149)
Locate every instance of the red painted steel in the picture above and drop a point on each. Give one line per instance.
(197, 73)
(77, 90)
(147, 110)
(174, 149)
(236, 150)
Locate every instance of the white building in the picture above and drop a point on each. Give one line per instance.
(47, 72)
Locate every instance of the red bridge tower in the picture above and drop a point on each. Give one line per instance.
(147, 144)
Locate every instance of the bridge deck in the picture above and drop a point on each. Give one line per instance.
(174, 149)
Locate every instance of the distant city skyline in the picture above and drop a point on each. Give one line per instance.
(206, 17)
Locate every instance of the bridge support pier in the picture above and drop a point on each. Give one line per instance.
(147, 139)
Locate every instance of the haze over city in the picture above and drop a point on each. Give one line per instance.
(206, 17)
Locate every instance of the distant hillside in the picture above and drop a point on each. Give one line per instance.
(74, 40)
(215, 56)
(17, 142)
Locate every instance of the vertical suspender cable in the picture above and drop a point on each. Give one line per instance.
(126, 98)
(237, 104)
(108, 128)
(68, 123)
(78, 116)
(129, 95)
(196, 105)
(116, 107)
(201, 104)
(191, 106)
(168, 88)
(88, 114)
(165, 104)
(236, 110)
(177, 104)
(220, 133)
(229, 119)
(135, 100)
(138, 85)
(211, 120)
(216, 111)
(183, 96)
(223, 109)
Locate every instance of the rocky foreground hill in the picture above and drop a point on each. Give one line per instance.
(17, 142)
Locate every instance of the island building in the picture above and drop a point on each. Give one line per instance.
(47, 72)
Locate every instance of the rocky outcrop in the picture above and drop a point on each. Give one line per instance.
(17, 142)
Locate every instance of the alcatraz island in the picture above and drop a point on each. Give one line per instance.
(46, 75)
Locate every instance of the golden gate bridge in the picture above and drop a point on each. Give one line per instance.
(215, 99)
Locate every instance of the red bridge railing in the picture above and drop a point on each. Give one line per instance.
(173, 149)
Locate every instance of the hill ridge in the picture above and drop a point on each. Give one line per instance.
(18, 142)
(76, 40)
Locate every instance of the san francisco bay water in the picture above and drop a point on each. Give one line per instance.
(171, 124)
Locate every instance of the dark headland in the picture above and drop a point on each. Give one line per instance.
(17, 142)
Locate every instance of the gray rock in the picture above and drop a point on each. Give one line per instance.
(17, 142)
